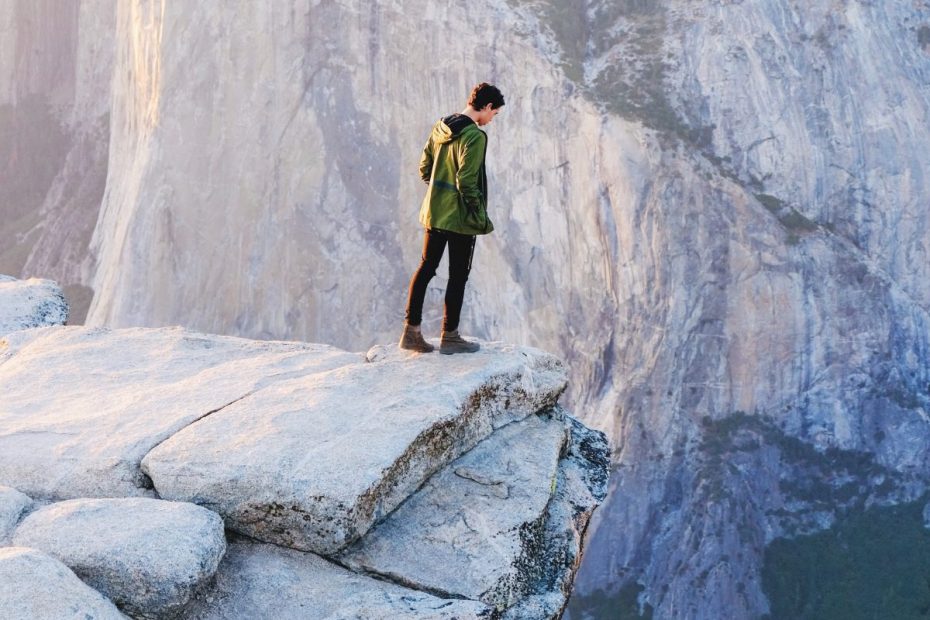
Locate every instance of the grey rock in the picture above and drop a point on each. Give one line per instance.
(30, 303)
(312, 463)
(469, 530)
(149, 556)
(82, 406)
(34, 586)
(581, 486)
(265, 581)
(12, 506)
(538, 607)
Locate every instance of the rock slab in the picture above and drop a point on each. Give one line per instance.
(311, 463)
(149, 556)
(264, 581)
(82, 406)
(472, 529)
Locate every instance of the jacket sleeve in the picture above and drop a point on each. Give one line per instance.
(466, 179)
(426, 162)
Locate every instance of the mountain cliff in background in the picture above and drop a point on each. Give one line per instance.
(714, 212)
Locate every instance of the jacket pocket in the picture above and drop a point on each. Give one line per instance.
(476, 221)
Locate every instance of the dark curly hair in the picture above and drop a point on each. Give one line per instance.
(483, 94)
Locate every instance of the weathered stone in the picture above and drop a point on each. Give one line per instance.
(538, 607)
(82, 406)
(34, 586)
(581, 486)
(12, 506)
(265, 581)
(149, 556)
(474, 529)
(30, 303)
(311, 463)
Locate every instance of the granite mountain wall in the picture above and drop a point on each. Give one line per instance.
(713, 211)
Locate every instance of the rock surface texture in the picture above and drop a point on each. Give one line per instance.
(36, 586)
(82, 406)
(304, 446)
(714, 212)
(473, 524)
(265, 581)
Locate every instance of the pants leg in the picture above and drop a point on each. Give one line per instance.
(434, 243)
(461, 251)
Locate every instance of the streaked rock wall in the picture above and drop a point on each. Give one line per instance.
(705, 208)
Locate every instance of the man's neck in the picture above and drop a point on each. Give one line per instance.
(471, 113)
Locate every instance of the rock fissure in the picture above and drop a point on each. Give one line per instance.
(150, 483)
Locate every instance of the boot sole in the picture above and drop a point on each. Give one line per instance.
(416, 349)
(454, 351)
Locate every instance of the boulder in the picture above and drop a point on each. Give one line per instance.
(149, 556)
(35, 586)
(30, 303)
(81, 406)
(12, 506)
(473, 530)
(264, 581)
(311, 463)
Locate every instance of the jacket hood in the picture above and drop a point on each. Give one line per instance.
(451, 127)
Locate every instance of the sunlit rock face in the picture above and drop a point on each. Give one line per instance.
(705, 208)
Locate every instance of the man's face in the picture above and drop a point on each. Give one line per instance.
(487, 114)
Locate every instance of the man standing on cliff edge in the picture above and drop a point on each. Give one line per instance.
(454, 211)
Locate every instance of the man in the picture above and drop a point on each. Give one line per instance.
(453, 212)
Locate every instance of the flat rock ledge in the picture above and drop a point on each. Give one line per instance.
(312, 463)
(439, 487)
(30, 303)
(82, 406)
(148, 556)
(35, 586)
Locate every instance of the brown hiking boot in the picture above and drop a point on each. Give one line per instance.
(451, 343)
(412, 340)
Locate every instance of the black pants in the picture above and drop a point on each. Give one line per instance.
(461, 249)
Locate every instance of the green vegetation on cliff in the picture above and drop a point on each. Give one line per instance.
(600, 605)
(873, 563)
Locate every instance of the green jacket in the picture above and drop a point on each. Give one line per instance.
(452, 165)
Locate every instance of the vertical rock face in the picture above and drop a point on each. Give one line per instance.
(56, 64)
(793, 291)
(705, 208)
